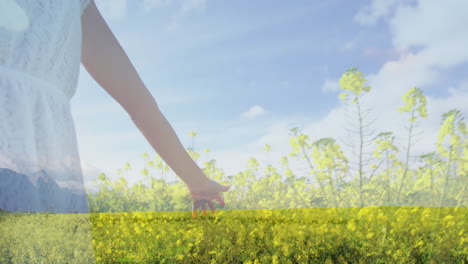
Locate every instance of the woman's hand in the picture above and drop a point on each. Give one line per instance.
(203, 193)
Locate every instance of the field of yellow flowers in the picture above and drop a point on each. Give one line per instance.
(313, 235)
(384, 211)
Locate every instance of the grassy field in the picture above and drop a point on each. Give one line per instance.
(316, 235)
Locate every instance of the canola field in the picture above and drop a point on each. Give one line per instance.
(308, 235)
(394, 207)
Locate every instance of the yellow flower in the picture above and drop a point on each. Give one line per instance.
(351, 226)
(275, 259)
(137, 230)
(448, 217)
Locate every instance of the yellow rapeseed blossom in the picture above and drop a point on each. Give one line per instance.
(304, 240)
(351, 226)
(275, 259)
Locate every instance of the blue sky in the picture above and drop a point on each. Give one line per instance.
(242, 73)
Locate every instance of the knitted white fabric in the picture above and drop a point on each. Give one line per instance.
(40, 54)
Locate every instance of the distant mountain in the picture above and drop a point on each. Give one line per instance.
(37, 193)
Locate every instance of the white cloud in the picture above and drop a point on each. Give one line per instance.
(443, 46)
(112, 9)
(438, 30)
(430, 23)
(330, 86)
(253, 112)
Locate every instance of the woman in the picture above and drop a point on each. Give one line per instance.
(41, 46)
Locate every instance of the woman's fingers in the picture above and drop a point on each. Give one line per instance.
(212, 207)
(194, 210)
(220, 200)
(194, 213)
(197, 204)
(203, 206)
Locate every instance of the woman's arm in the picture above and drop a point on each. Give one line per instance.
(108, 64)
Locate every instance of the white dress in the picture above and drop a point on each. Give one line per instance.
(40, 55)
